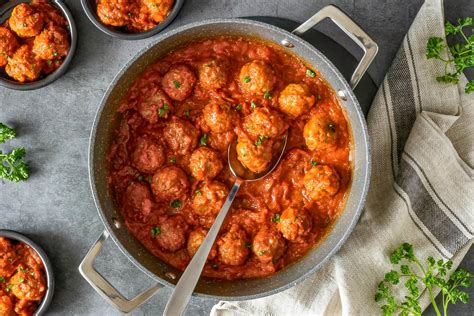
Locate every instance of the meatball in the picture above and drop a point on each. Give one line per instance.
(231, 247)
(52, 43)
(256, 78)
(321, 181)
(195, 239)
(255, 156)
(147, 155)
(113, 12)
(268, 245)
(28, 285)
(180, 136)
(26, 21)
(320, 132)
(264, 122)
(220, 117)
(208, 199)
(24, 66)
(294, 223)
(179, 82)
(212, 74)
(171, 233)
(169, 183)
(8, 45)
(138, 201)
(158, 9)
(154, 104)
(205, 163)
(296, 99)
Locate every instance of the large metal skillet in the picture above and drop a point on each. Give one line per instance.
(105, 123)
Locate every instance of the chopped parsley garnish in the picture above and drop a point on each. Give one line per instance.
(319, 97)
(49, 62)
(55, 54)
(203, 140)
(155, 231)
(332, 127)
(140, 177)
(162, 111)
(149, 179)
(262, 252)
(253, 105)
(198, 192)
(8, 287)
(2, 279)
(24, 25)
(21, 280)
(172, 159)
(176, 84)
(276, 218)
(310, 73)
(187, 112)
(314, 163)
(261, 139)
(176, 203)
(238, 107)
(248, 245)
(130, 14)
(247, 79)
(267, 95)
(215, 266)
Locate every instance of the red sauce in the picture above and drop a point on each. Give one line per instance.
(22, 279)
(168, 167)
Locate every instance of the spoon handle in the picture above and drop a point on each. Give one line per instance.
(186, 284)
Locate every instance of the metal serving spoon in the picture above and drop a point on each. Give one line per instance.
(184, 289)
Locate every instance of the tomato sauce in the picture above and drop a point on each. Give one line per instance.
(22, 278)
(295, 206)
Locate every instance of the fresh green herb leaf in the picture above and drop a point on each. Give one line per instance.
(310, 73)
(176, 84)
(276, 218)
(149, 179)
(262, 252)
(187, 112)
(2, 279)
(314, 163)
(253, 105)
(140, 177)
(21, 280)
(12, 165)
(176, 203)
(215, 266)
(24, 25)
(319, 97)
(433, 276)
(155, 231)
(55, 54)
(204, 139)
(248, 245)
(198, 192)
(172, 159)
(8, 287)
(130, 14)
(260, 140)
(267, 95)
(6, 133)
(246, 79)
(238, 107)
(49, 62)
(162, 111)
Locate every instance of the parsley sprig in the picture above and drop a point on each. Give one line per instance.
(462, 53)
(12, 165)
(433, 275)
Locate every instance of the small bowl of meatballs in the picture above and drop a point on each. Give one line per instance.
(131, 19)
(37, 43)
(26, 276)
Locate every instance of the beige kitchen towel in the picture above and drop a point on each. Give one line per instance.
(422, 186)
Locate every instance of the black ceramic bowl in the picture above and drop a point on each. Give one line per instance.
(12, 235)
(6, 81)
(90, 6)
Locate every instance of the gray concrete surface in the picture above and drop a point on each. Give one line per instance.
(55, 206)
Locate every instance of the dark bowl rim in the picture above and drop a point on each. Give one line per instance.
(46, 301)
(66, 13)
(178, 4)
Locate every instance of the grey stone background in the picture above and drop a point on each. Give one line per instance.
(55, 206)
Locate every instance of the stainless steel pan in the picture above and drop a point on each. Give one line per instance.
(101, 139)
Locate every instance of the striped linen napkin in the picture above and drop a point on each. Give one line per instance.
(422, 186)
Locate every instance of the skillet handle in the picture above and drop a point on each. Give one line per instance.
(354, 31)
(104, 288)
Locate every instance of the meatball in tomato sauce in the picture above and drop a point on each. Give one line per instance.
(154, 105)
(294, 223)
(321, 181)
(170, 235)
(320, 132)
(220, 117)
(26, 21)
(209, 197)
(232, 248)
(158, 10)
(24, 66)
(114, 12)
(8, 45)
(254, 155)
(205, 163)
(264, 122)
(169, 183)
(180, 136)
(212, 74)
(27, 286)
(138, 201)
(148, 155)
(256, 78)
(51, 43)
(179, 82)
(296, 99)
(195, 239)
(268, 245)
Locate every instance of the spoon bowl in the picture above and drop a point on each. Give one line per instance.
(184, 289)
